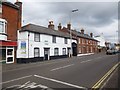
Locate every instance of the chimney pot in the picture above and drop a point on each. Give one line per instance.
(91, 34)
(51, 25)
(82, 31)
(69, 26)
(59, 26)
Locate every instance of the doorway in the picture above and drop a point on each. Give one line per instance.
(74, 49)
(46, 53)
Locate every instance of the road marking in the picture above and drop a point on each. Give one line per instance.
(94, 59)
(62, 67)
(38, 65)
(100, 82)
(61, 82)
(28, 85)
(85, 61)
(16, 79)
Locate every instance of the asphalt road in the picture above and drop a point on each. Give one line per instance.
(77, 72)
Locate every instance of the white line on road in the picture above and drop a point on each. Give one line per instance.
(16, 79)
(85, 61)
(62, 67)
(61, 82)
(92, 59)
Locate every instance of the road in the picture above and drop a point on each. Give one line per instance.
(77, 72)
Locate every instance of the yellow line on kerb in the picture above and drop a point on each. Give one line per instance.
(100, 82)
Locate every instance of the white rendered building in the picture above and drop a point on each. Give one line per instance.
(36, 43)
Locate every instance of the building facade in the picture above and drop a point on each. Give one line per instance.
(85, 43)
(37, 43)
(10, 22)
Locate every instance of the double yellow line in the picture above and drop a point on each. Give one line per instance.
(101, 81)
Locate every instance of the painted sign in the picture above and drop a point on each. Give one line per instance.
(23, 47)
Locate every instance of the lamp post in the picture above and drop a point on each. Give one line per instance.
(75, 10)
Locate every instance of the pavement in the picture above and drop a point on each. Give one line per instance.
(70, 73)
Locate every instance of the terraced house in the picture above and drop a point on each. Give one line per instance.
(10, 22)
(38, 43)
(85, 43)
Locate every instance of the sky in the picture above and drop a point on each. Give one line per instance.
(97, 16)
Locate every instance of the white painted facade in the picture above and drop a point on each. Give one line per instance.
(101, 40)
(26, 39)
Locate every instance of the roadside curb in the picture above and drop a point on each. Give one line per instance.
(101, 82)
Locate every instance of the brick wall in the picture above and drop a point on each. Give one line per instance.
(12, 16)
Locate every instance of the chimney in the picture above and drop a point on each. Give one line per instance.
(69, 26)
(51, 25)
(91, 34)
(18, 3)
(82, 31)
(59, 26)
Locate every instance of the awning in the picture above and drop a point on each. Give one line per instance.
(8, 43)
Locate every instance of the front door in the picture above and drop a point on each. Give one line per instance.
(9, 55)
(46, 53)
(69, 51)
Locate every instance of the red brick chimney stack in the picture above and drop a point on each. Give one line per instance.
(69, 26)
(59, 26)
(91, 34)
(82, 31)
(51, 25)
(20, 13)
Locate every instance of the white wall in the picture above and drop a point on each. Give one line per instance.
(45, 42)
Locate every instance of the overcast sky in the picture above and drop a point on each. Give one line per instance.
(97, 16)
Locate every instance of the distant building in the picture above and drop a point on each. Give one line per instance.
(10, 22)
(101, 43)
(38, 43)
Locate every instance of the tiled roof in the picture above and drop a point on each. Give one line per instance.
(43, 30)
(78, 34)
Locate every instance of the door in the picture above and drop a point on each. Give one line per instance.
(9, 55)
(69, 51)
(46, 54)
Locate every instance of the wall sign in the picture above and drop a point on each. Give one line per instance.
(23, 47)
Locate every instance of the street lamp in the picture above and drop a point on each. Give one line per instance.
(75, 10)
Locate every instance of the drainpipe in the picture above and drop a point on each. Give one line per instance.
(28, 43)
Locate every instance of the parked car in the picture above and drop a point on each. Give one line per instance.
(111, 51)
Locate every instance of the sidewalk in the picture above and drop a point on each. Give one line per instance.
(85, 54)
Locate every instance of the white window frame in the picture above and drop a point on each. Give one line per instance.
(64, 51)
(54, 39)
(36, 37)
(38, 53)
(56, 51)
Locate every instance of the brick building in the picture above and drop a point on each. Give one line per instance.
(10, 22)
(85, 43)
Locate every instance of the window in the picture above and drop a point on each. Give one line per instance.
(37, 37)
(56, 51)
(2, 29)
(54, 39)
(36, 52)
(65, 40)
(64, 51)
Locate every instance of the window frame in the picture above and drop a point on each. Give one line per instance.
(36, 39)
(38, 54)
(65, 41)
(53, 39)
(64, 52)
(56, 51)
